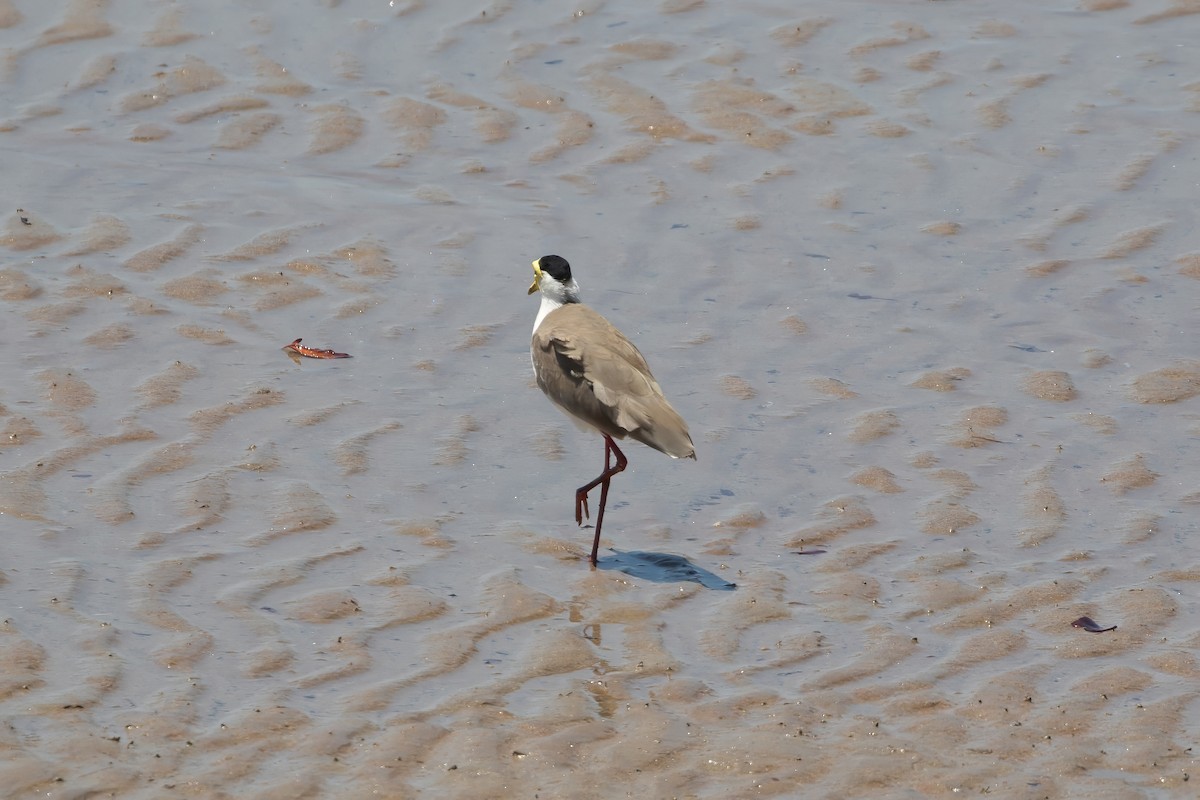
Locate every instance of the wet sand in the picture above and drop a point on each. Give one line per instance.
(922, 277)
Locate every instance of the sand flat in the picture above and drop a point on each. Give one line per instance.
(922, 280)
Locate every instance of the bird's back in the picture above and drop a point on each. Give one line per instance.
(590, 370)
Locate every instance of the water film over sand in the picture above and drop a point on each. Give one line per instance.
(923, 278)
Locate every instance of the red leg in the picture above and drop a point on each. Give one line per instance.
(581, 507)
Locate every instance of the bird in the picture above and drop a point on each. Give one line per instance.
(593, 373)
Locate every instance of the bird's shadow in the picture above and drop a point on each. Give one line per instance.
(662, 568)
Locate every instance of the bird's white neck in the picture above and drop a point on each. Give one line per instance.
(548, 305)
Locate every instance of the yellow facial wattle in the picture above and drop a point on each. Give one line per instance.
(537, 277)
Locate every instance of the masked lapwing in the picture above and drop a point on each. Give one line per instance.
(592, 372)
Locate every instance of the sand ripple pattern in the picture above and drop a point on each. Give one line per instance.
(923, 280)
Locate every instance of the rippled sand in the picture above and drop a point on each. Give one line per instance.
(922, 276)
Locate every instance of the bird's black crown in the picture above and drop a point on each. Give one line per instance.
(556, 267)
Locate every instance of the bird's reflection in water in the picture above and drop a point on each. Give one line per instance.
(662, 568)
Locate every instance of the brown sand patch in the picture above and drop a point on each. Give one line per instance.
(742, 518)
(168, 30)
(643, 111)
(738, 110)
(297, 508)
(9, 15)
(854, 556)
(285, 295)
(1134, 240)
(794, 324)
(826, 100)
(203, 334)
(277, 79)
(351, 454)
(945, 380)
(645, 49)
(679, 6)
(452, 449)
(1094, 359)
(1179, 8)
(995, 29)
(837, 518)
(872, 425)
(832, 200)
(975, 427)
(534, 96)
(630, 153)
(476, 336)
(246, 131)
(194, 75)
(886, 129)
(574, 130)
(95, 72)
(934, 594)
(797, 33)
(369, 258)
(322, 606)
(906, 32)
(354, 308)
(264, 244)
(16, 285)
(959, 482)
(205, 500)
(1132, 172)
(153, 258)
(1167, 385)
(757, 601)
(110, 336)
(999, 606)
(1100, 423)
(1050, 385)
(847, 596)
(66, 391)
(166, 387)
(18, 431)
(737, 387)
(87, 283)
(942, 228)
(25, 230)
(1189, 265)
(317, 416)
(434, 194)
(832, 387)
(1129, 475)
(878, 479)
(994, 113)
(200, 288)
(429, 532)
(148, 132)
(1141, 527)
(923, 62)
(884, 648)
(495, 124)
(1178, 662)
(1043, 269)
(105, 232)
(227, 106)
(987, 646)
(82, 19)
(1045, 509)
(55, 313)
(206, 420)
(943, 517)
(335, 128)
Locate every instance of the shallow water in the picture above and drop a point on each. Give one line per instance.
(921, 276)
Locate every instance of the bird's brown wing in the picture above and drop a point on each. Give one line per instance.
(588, 367)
